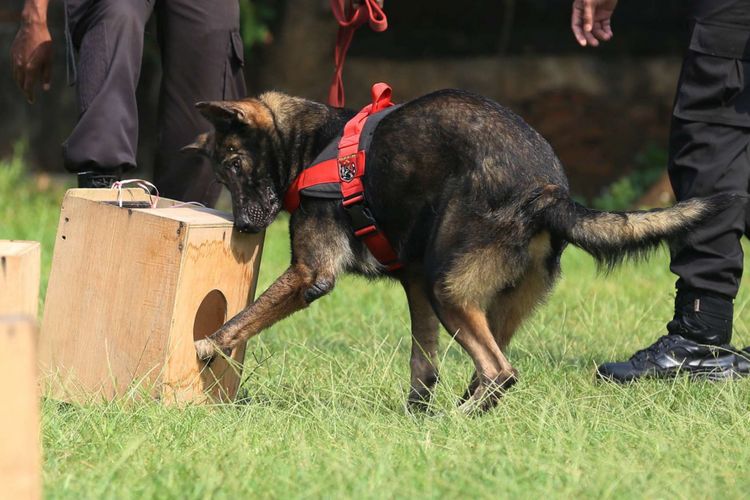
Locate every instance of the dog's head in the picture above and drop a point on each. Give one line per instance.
(241, 148)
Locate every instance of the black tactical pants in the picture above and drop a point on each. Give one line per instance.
(202, 57)
(710, 153)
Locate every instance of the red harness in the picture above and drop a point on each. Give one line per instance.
(340, 176)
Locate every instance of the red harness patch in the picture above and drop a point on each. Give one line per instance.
(346, 170)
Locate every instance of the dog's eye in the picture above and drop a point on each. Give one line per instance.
(231, 149)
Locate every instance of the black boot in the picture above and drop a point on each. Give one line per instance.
(697, 344)
(99, 178)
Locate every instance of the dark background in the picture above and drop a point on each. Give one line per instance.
(605, 111)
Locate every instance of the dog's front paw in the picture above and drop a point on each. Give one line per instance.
(205, 349)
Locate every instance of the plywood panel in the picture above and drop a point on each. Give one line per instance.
(229, 263)
(20, 449)
(20, 263)
(109, 300)
(193, 215)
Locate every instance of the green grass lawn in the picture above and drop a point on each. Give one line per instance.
(324, 416)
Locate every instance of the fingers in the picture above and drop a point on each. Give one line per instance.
(47, 68)
(37, 70)
(588, 16)
(47, 77)
(589, 25)
(606, 27)
(17, 64)
(591, 40)
(576, 22)
(18, 74)
(30, 77)
(602, 32)
(32, 72)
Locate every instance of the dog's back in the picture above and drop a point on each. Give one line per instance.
(458, 168)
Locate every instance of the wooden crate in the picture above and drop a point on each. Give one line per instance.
(129, 291)
(20, 449)
(19, 277)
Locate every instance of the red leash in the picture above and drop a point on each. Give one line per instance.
(368, 12)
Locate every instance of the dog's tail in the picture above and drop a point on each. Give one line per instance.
(612, 236)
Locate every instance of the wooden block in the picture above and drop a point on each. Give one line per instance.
(20, 449)
(20, 263)
(132, 288)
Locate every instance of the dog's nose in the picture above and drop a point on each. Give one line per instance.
(243, 227)
(242, 223)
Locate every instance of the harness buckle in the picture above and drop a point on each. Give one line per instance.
(363, 223)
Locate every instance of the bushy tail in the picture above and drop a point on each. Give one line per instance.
(612, 236)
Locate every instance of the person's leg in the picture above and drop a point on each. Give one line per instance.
(705, 159)
(108, 37)
(202, 58)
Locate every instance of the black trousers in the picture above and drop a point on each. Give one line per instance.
(202, 58)
(705, 159)
(710, 143)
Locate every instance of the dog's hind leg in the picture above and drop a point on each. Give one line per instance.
(510, 307)
(468, 325)
(424, 341)
(461, 294)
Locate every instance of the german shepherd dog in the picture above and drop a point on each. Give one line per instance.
(473, 200)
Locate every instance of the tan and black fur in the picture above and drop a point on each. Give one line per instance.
(474, 201)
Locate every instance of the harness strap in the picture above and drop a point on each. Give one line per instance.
(321, 173)
(368, 12)
(347, 170)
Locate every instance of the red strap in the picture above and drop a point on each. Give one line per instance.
(368, 12)
(382, 250)
(321, 173)
(381, 99)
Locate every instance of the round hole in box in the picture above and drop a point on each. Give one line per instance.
(211, 314)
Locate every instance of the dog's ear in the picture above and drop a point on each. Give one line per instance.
(202, 145)
(249, 111)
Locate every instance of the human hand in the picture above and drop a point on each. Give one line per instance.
(591, 21)
(31, 57)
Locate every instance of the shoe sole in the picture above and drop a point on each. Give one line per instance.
(713, 375)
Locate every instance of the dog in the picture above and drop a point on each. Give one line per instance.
(473, 200)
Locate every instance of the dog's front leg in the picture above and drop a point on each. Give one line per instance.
(292, 291)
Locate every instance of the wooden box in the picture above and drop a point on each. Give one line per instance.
(131, 288)
(19, 277)
(20, 448)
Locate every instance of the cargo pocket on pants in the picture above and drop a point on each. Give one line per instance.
(234, 79)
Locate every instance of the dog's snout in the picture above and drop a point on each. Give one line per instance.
(245, 227)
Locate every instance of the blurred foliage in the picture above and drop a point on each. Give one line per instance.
(29, 206)
(255, 19)
(623, 193)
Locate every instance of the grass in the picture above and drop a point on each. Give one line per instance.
(324, 416)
